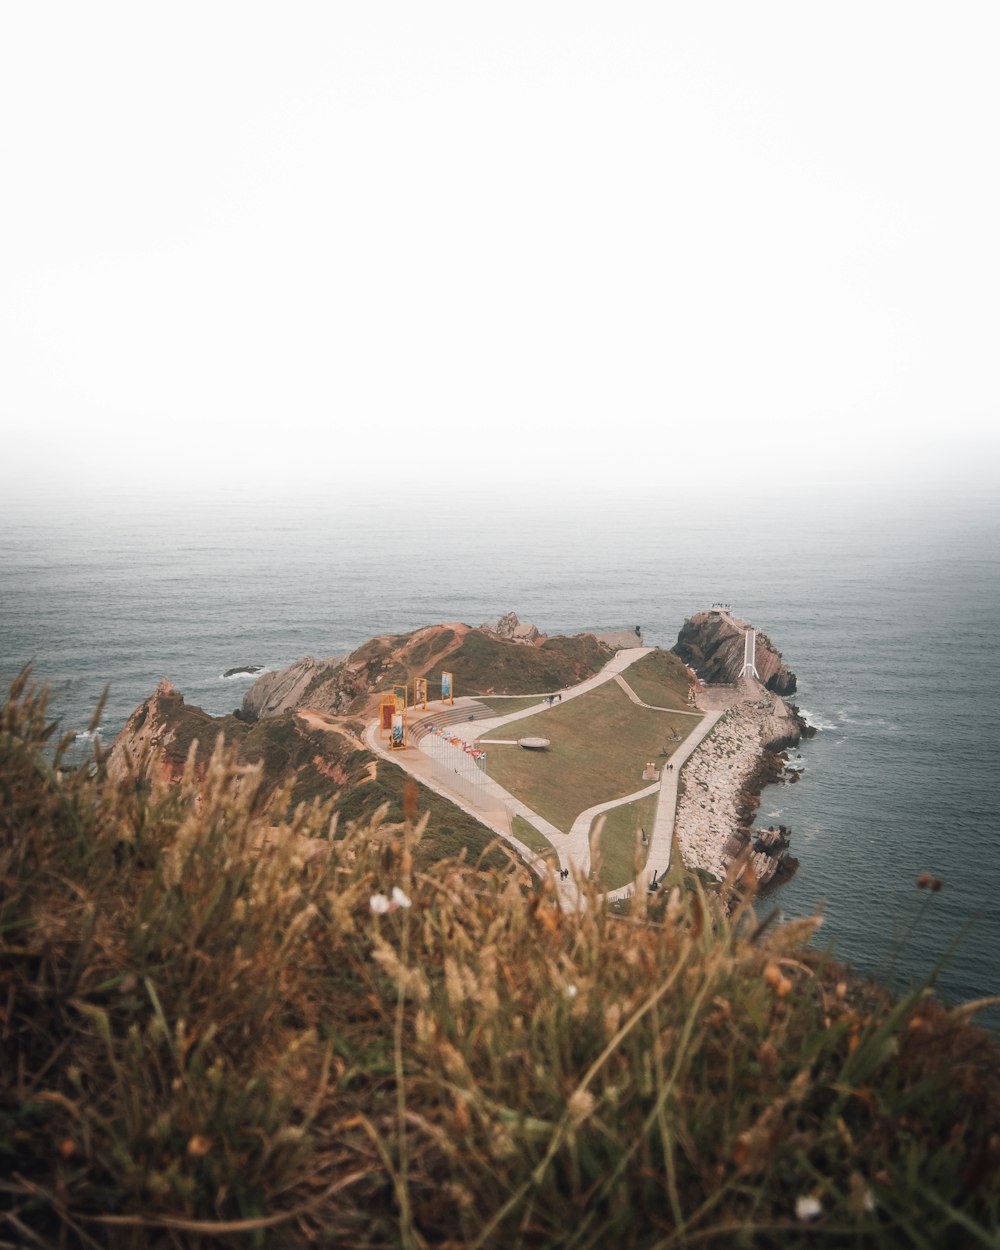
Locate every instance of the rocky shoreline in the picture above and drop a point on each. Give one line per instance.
(722, 782)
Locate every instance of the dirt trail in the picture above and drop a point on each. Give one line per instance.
(327, 724)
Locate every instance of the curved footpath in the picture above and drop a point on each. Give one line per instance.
(495, 807)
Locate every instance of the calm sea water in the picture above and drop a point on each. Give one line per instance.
(888, 615)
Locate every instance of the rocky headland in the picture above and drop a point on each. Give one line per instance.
(721, 783)
(711, 643)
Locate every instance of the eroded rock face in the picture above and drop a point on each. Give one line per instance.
(712, 643)
(156, 736)
(272, 693)
(510, 629)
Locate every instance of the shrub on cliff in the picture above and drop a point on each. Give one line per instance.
(218, 1032)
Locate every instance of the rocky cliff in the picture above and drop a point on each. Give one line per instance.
(712, 643)
(157, 736)
(511, 629)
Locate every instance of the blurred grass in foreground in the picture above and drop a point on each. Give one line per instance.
(218, 1028)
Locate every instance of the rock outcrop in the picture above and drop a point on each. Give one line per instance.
(158, 734)
(712, 643)
(273, 693)
(510, 629)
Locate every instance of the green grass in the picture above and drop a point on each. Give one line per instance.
(599, 744)
(483, 665)
(617, 857)
(659, 679)
(532, 838)
(502, 705)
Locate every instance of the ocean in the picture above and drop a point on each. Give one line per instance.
(887, 612)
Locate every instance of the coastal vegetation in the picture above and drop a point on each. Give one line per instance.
(228, 1023)
(660, 680)
(481, 662)
(485, 665)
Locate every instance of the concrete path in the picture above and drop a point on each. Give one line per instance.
(652, 706)
(494, 816)
(662, 838)
(496, 807)
(578, 839)
(471, 730)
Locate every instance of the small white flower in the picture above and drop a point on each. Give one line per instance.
(399, 898)
(571, 991)
(379, 904)
(808, 1208)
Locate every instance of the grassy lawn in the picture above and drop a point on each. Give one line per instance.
(618, 840)
(511, 703)
(600, 743)
(526, 832)
(659, 679)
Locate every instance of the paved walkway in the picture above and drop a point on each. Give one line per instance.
(652, 706)
(662, 838)
(496, 807)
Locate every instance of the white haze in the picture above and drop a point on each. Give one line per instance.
(651, 247)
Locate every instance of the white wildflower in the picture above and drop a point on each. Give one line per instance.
(580, 1106)
(571, 991)
(379, 904)
(808, 1208)
(399, 898)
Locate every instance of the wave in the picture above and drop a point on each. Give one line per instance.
(88, 735)
(816, 722)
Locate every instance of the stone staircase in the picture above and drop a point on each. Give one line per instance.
(441, 718)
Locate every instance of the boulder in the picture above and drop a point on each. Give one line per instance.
(510, 629)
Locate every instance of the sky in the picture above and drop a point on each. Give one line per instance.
(644, 247)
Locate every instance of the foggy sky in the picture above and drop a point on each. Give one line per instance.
(664, 246)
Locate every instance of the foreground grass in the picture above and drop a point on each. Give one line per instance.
(599, 744)
(205, 1042)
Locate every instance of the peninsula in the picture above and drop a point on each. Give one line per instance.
(644, 760)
